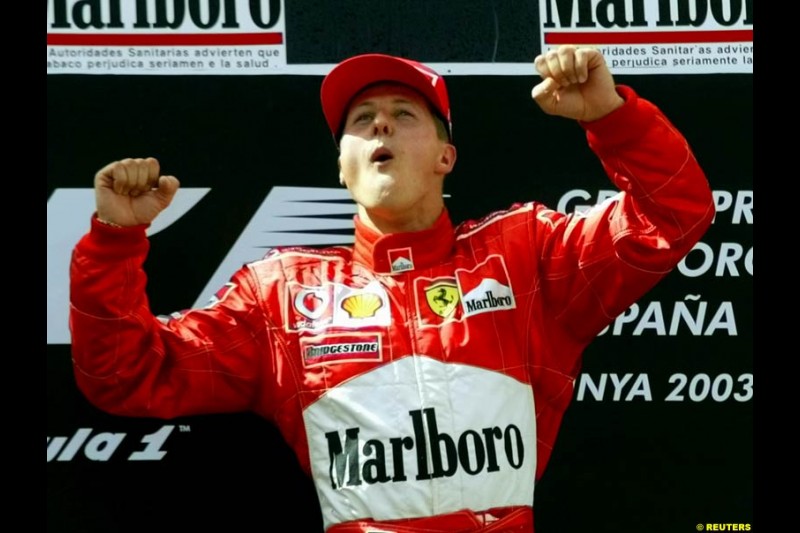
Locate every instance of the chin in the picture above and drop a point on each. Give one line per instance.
(381, 197)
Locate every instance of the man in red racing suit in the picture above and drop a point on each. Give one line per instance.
(420, 376)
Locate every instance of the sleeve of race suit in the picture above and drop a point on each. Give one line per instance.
(597, 263)
(128, 361)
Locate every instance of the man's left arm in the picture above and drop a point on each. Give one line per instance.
(666, 204)
(601, 261)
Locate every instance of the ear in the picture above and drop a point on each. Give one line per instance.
(447, 159)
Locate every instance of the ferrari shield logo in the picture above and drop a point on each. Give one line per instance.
(442, 298)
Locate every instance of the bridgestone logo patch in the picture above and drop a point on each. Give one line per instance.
(340, 348)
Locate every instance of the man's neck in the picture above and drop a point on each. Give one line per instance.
(383, 224)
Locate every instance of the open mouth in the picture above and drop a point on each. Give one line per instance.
(381, 155)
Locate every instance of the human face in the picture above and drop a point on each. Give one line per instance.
(392, 160)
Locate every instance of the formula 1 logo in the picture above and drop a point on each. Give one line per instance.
(296, 211)
(101, 446)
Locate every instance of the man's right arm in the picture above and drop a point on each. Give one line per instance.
(128, 361)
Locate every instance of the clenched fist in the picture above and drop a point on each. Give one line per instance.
(577, 84)
(131, 191)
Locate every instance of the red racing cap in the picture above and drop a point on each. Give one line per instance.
(352, 75)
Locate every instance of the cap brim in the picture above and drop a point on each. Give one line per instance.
(349, 77)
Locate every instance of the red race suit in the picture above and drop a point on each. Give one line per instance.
(420, 378)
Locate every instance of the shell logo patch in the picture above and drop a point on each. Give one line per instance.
(362, 305)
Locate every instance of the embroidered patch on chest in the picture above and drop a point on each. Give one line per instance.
(401, 259)
(486, 288)
(340, 348)
(332, 305)
(482, 289)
